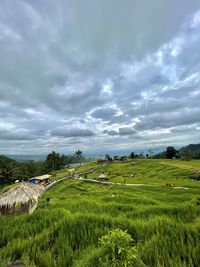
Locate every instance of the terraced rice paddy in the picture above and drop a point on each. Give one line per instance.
(164, 222)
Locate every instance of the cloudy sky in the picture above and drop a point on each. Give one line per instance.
(98, 75)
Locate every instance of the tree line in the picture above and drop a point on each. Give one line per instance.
(191, 151)
(12, 170)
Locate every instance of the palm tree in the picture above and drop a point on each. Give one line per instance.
(53, 161)
(78, 154)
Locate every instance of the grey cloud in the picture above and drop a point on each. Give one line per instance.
(185, 129)
(74, 132)
(56, 56)
(111, 132)
(16, 135)
(121, 131)
(104, 113)
(168, 120)
(126, 131)
(120, 119)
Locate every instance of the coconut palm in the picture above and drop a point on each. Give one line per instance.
(53, 161)
(78, 154)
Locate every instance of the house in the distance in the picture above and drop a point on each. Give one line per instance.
(43, 179)
(80, 164)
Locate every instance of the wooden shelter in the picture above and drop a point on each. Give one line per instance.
(22, 198)
(43, 179)
(103, 177)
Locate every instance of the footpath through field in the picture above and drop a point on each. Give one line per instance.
(78, 177)
(69, 177)
(116, 183)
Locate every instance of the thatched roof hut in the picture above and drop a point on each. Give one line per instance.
(21, 198)
(103, 177)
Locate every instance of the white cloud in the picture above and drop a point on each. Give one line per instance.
(107, 86)
(195, 20)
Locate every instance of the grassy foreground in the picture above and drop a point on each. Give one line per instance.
(163, 221)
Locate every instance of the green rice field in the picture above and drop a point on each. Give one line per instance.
(164, 221)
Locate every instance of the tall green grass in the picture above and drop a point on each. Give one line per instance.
(164, 222)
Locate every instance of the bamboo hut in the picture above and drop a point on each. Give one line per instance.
(103, 177)
(22, 198)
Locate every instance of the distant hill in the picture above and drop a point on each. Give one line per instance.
(24, 158)
(191, 151)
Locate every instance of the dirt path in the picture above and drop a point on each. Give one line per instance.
(77, 176)
(113, 183)
(69, 177)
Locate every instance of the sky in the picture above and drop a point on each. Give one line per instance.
(98, 75)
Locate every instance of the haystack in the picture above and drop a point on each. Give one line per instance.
(22, 198)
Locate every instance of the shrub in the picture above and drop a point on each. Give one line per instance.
(118, 249)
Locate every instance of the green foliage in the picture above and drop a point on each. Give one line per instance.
(56, 162)
(190, 152)
(171, 152)
(186, 153)
(108, 157)
(78, 155)
(117, 248)
(9, 173)
(53, 162)
(163, 222)
(11, 170)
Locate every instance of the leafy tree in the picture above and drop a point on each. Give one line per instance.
(78, 154)
(24, 173)
(5, 160)
(118, 250)
(141, 155)
(9, 173)
(11, 170)
(65, 160)
(108, 158)
(161, 155)
(123, 158)
(170, 152)
(132, 155)
(150, 152)
(36, 168)
(53, 161)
